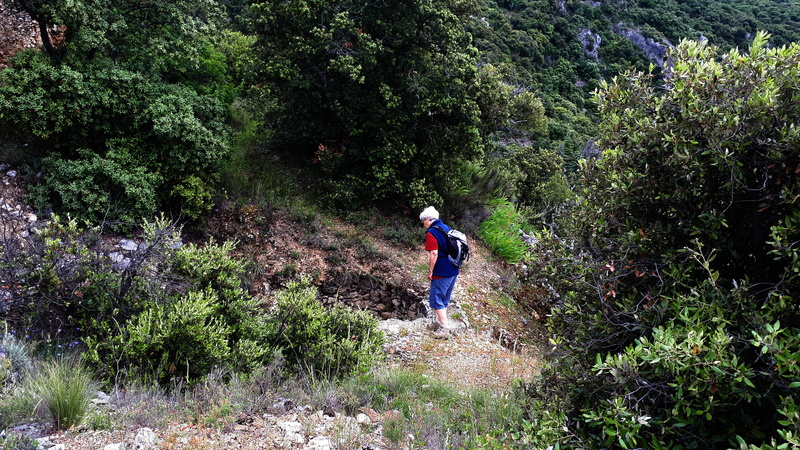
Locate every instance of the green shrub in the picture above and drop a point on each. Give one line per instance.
(15, 360)
(134, 319)
(98, 189)
(211, 266)
(120, 143)
(501, 232)
(184, 336)
(70, 282)
(330, 343)
(403, 235)
(180, 339)
(195, 196)
(18, 441)
(15, 408)
(677, 326)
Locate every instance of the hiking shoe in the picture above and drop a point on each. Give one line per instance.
(442, 333)
(435, 325)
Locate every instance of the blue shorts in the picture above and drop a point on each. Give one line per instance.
(441, 290)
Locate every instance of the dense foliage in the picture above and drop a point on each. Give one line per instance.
(406, 105)
(386, 99)
(168, 312)
(126, 109)
(322, 342)
(724, 23)
(561, 50)
(672, 267)
(679, 323)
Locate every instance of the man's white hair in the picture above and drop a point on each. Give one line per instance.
(429, 213)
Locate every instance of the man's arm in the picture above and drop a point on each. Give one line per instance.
(433, 256)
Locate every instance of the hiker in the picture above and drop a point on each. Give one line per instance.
(441, 271)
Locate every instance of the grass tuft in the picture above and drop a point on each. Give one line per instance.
(501, 233)
(61, 390)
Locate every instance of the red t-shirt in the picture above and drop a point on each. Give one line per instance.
(431, 244)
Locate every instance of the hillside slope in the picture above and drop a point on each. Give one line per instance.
(491, 347)
(490, 324)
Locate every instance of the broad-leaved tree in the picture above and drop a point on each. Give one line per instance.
(385, 97)
(125, 110)
(682, 327)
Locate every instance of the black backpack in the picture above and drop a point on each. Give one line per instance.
(457, 247)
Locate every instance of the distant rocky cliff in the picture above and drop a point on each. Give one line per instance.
(655, 51)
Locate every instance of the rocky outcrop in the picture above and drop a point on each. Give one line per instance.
(655, 51)
(590, 41)
(17, 221)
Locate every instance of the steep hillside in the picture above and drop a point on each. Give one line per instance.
(495, 341)
(280, 245)
(342, 257)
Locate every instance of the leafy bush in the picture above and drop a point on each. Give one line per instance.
(167, 307)
(699, 363)
(181, 339)
(18, 441)
(206, 320)
(538, 178)
(678, 327)
(330, 343)
(120, 141)
(65, 281)
(100, 190)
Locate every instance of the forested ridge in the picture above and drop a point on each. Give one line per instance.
(634, 162)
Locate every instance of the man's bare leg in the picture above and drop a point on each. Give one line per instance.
(441, 314)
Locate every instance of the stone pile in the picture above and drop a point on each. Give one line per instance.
(382, 299)
(16, 219)
(17, 31)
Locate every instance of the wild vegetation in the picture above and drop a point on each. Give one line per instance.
(666, 266)
(680, 300)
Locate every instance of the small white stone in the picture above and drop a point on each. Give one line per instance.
(127, 244)
(145, 439)
(291, 427)
(319, 443)
(101, 398)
